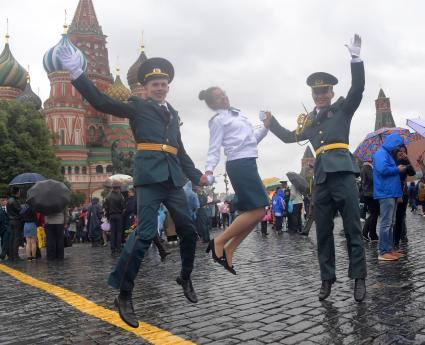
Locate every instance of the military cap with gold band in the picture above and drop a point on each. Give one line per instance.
(321, 80)
(155, 68)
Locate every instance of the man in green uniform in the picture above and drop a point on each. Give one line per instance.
(161, 163)
(327, 128)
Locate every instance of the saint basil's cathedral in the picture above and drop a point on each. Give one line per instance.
(82, 136)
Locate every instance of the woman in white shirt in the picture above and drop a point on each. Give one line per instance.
(231, 129)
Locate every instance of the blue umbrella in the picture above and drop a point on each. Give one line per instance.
(26, 178)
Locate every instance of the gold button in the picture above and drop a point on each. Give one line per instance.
(321, 141)
(164, 147)
(320, 132)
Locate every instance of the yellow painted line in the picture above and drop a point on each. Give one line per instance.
(152, 334)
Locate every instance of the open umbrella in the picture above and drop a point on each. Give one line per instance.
(298, 181)
(374, 140)
(49, 196)
(418, 125)
(26, 178)
(119, 180)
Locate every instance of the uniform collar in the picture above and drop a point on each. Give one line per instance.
(233, 111)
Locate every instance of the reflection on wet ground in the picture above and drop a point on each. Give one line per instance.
(272, 300)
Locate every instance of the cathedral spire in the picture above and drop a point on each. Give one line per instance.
(85, 20)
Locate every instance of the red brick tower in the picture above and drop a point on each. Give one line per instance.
(83, 135)
(384, 116)
(307, 162)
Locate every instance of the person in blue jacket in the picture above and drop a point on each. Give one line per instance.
(278, 205)
(387, 190)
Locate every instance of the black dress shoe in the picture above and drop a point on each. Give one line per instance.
(188, 289)
(126, 311)
(359, 289)
(211, 247)
(325, 289)
(226, 264)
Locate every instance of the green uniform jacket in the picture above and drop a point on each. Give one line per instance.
(330, 126)
(149, 124)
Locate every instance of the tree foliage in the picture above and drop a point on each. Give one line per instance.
(77, 199)
(25, 143)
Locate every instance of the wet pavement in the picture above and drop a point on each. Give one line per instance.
(272, 300)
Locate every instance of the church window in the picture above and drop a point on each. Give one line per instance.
(69, 170)
(109, 168)
(84, 170)
(63, 89)
(62, 137)
(92, 134)
(77, 170)
(99, 169)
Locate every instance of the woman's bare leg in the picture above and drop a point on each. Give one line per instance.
(238, 230)
(33, 247)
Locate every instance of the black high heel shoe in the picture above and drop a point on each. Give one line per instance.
(221, 260)
(226, 264)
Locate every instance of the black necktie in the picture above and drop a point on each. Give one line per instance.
(166, 112)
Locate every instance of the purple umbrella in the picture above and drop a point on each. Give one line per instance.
(418, 125)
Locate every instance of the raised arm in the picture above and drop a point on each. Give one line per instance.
(71, 63)
(260, 133)
(100, 101)
(355, 93)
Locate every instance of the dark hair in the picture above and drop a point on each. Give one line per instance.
(207, 95)
(15, 190)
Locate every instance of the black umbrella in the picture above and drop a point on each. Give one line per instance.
(49, 196)
(298, 181)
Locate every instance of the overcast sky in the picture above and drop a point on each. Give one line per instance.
(259, 51)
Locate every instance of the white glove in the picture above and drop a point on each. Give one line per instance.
(354, 46)
(210, 179)
(70, 62)
(262, 115)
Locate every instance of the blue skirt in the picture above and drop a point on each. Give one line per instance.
(247, 184)
(30, 230)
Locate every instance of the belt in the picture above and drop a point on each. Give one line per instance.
(331, 147)
(157, 147)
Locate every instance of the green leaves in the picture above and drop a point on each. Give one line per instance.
(25, 143)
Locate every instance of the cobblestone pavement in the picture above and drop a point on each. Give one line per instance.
(272, 300)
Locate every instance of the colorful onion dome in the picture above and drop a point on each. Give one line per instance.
(12, 74)
(134, 69)
(28, 96)
(51, 61)
(118, 90)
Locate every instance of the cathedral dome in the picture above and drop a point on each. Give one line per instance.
(28, 96)
(51, 61)
(134, 69)
(12, 74)
(118, 90)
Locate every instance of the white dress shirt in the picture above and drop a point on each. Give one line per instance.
(231, 129)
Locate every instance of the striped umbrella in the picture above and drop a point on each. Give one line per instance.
(374, 140)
